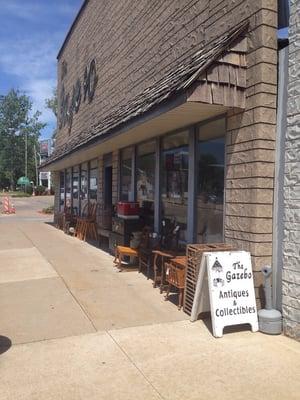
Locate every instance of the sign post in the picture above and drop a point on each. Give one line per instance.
(231, 290)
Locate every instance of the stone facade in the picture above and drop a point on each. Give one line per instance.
(291, 244)
(134, 44)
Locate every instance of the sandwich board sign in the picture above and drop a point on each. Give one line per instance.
(231, 290)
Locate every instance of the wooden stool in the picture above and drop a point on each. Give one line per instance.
(123, 251)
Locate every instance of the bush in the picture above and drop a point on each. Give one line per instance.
(19, 194)
(40, 190)
(28, 189)
(48, 210)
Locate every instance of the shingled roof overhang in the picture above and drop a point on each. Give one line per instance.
(213, 76)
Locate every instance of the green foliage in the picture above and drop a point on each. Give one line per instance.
(19, 194)
(48, 210)
(40, 190)
(18, 126)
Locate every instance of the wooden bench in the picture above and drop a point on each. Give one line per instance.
(123, 251)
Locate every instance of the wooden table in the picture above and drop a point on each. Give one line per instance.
(159, 259)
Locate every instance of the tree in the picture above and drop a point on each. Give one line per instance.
(19, 133)
(52, 104)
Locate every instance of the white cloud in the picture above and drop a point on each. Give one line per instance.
(33, 64)
(39, 90)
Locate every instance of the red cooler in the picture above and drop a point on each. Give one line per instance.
(128, 208)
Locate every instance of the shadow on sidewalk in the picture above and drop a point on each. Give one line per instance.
(5, 344)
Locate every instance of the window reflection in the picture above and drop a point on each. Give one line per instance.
(175, 180)
(62, 191)
(210, 191)
(75, 189)
(68, 187)
(126, 175)
(84, 187)
(93, 183)
(145, 174)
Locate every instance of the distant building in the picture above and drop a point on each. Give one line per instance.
(45, 152)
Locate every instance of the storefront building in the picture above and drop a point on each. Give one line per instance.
(173, 105)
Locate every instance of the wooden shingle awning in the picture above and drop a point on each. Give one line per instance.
(215, 76)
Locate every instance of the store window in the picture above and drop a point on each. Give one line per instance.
(210, 185)
(61, 190)
(145, 175)
(93, 180)
(83, 188)
(75, 189)
(68, 187)
(174, 179)
(126, 184)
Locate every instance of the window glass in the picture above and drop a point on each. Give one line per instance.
(210, 184)
(174, 179)
(145, 174)
(93, 183)
(75, 189)
(68, 187)
(62, 190)
(83, 187)
(127, 193)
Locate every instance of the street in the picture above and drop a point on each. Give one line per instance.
(73, 327)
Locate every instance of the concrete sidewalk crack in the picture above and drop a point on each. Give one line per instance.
(137, 368)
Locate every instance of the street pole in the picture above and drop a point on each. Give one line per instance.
(25, 186)
(36, 167)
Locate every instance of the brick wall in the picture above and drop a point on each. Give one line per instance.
(251, 136)
(291, 244)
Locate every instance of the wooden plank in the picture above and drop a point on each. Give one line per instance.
(213, 74)
(231, 58)
(232, 74)
(223, 73)
(243, 62)
(240, 47)
(217, 93)
(202, 92)
(241, 77)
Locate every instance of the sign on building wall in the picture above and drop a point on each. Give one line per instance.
(45, 146)
(231, 290)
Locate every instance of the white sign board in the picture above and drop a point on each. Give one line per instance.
(231, 289)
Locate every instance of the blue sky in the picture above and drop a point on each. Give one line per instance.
(31, 33)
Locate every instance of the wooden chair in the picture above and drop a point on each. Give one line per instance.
(86, 226)
(126, 251)
(175, 276)
(168, 249)
(148, 244)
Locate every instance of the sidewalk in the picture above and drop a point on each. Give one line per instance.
(81, 330)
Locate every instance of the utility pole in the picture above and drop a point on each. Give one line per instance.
(36, 167)
(25, 153)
